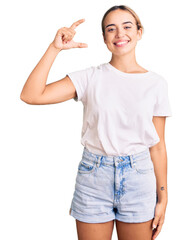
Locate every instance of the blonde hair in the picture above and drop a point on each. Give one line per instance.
(125, 8)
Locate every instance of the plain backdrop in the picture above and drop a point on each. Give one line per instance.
(40, 144)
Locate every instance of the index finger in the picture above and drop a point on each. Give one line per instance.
(75, 24)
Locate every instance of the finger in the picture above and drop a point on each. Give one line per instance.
(157, 231)
(155, 222)
(75, 24)
(67, 37)
(80, 45)
(72, 31)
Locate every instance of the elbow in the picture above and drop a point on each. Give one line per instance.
(26, 100)
(22, 98)
(159, 147)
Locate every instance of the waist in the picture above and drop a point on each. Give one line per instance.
(110, 159)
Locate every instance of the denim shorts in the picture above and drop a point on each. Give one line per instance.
(114, 187)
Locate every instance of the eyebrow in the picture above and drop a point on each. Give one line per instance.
(114, 24)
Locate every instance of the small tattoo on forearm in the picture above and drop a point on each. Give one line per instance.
(162, 188)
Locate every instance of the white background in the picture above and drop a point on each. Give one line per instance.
(40, 144)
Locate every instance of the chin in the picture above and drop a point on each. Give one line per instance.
(122, 52)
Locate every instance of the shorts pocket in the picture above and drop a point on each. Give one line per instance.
(86, 166)
(144, 165)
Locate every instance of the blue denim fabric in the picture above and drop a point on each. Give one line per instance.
(114, 187)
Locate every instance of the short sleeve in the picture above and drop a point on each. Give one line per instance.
(162, 106)
(80, 80)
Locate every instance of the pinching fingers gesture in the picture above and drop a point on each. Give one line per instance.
(64, 37)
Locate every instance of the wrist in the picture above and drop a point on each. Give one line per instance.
(52, 46)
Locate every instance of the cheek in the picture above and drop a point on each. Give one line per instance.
(133, 35)
(109, 41)
(108, 37)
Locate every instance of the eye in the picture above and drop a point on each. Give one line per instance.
(111, 29)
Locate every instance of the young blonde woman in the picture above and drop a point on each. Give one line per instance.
(122, 175)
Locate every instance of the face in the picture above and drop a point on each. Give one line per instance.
(126, 33)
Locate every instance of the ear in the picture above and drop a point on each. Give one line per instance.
(139, 33)
(104, 38)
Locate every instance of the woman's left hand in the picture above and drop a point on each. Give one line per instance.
(159, 218)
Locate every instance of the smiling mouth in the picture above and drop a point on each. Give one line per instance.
(121, 44)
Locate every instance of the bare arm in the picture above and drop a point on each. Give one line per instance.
(36, 82)
(159, 158)
(35, 90)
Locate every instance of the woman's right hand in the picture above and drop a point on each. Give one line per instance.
(64, 37)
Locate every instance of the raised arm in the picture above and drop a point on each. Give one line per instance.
(35, 90)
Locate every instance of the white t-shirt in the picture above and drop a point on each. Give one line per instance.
(118, 108)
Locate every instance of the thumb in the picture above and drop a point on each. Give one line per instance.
(80, 45)
(155, 222)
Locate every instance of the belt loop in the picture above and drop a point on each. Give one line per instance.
(99, 160)
(131, 158)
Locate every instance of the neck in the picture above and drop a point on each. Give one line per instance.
(125, 63)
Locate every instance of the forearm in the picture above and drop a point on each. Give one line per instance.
(36, 82)
(159, 158)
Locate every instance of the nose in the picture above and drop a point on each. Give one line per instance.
(120, 33)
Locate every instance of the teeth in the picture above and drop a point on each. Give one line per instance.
(121, 43)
